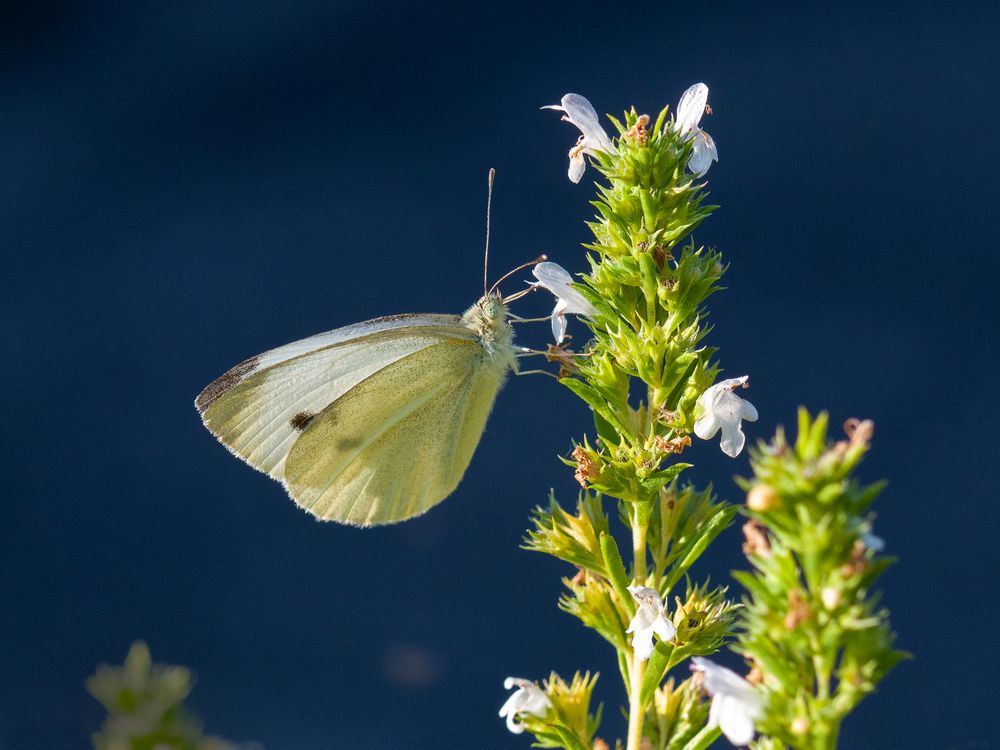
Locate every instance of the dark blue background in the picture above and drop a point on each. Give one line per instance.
(186, 184)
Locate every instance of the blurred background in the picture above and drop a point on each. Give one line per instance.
(186, 184)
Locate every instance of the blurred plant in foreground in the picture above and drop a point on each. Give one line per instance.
(644, 303)
(812, 628)
(145, 707)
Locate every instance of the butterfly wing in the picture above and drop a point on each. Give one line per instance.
(260, 407)
(399, 441)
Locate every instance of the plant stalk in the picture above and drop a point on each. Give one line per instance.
(638, 670)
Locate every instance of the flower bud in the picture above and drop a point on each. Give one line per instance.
(800, 725)
(762, 498)
(830, 597)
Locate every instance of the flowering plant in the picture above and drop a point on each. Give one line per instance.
(808, 626)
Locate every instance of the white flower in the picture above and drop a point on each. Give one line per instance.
(735, 702)
(649, 618)
(555, 278)
(689, 112)
(580, 112)
(527, 699)
(873, 542)
(720, 408)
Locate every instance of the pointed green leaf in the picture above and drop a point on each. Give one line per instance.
(616, 571)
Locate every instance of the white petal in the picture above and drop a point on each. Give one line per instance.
(719, 679)
(664, 629)
(749, 412)
(512, 681)
(734, 720)
(553, 277)
(512, 724)
(641, 620)
(706, 426)
(556, 279)
(733, 439)
(576, 167)
(558, 326)
(732, 383)
(691, 107)
(509, 706)
(713, 712)
(536, 703)
(703, 153)
(642, 643)
(647, 598)
(581, 113)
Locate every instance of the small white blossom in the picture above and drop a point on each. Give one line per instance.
(527, 699)
(720, 408)
(689, 112)
(873, 542)
(649, 618)
(580, 112)
(736, 705)
(556, 279)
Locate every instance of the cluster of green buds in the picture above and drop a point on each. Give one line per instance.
(643, 301)
(145, 707)
(812, 628)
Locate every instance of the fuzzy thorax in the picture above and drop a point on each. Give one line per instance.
(488, 318)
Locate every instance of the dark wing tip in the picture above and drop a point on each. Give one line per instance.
(224, 382)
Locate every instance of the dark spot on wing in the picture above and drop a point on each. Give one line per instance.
(345, 444)
(301, 420)
(224, 382)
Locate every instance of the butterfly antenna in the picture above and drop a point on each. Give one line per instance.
(511, 272)
(489, 203)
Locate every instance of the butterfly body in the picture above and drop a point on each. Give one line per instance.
(372, 423)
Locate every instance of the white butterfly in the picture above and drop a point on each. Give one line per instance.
(372, 423)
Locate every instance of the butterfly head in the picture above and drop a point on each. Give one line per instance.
(488, 317)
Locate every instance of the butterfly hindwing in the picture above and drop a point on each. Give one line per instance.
(399, 441)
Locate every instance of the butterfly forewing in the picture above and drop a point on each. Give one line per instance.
(399, 441)
(260, 408)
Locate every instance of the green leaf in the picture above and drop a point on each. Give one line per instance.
(656, 667)
(715, 526)
(600, 303)
(596, 402)
(616, 571)
(658, 126)
(570, 741)
(661, 478)
(605, 430)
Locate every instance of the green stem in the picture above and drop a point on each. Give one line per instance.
(635, 714)
(826, 740)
